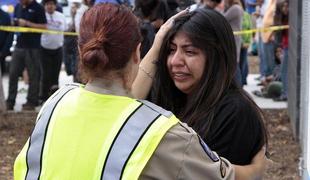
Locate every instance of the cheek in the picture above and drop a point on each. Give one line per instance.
(168, 63)
(199, 67)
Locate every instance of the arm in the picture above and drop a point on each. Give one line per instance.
(26, 23)
(182, 155)
(255, 170)
(9, 39)
(147, 67)
(40, 21)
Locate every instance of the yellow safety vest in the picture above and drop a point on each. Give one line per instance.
(84, 135)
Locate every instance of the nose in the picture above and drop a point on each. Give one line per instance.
(176, 59)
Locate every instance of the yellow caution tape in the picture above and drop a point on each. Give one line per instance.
(35, 30)
(272, 28)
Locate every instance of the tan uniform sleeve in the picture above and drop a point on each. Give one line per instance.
(181, 155)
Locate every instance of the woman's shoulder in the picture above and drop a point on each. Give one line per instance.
(238, 105)
(233, 97)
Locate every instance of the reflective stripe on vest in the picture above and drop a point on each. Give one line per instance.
(129, 137)
(37, 138)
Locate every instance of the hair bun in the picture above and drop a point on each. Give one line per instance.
(94, 53)
(108, 36)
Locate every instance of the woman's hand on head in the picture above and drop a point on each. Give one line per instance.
(147, 68)
(167, 26)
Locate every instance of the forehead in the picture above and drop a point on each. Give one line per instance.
(181, 38)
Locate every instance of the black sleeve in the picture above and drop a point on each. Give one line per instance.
(16, 11)
(41, 18)
(236, 132)
(9, 38)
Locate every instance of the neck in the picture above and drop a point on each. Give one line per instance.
(108, 86)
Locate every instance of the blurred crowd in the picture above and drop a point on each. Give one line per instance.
(38, 58)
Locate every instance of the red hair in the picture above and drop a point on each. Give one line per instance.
(109, 34)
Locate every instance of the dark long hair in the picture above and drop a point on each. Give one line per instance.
(210, 32)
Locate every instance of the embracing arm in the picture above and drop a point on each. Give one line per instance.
(255, 170)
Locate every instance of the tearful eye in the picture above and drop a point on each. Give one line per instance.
(172, 50)
(191, 53)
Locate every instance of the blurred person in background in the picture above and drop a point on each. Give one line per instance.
(51, 50)
(282, 15)
(259, 14)
(127, 3)
(245, 43)
(185, 3)
(233, 13)
(212, 4)
(27, 13)
(250, 6)
(6, 39)
(161, 14)
(145, 10)
(84, 6)
(268, 37)
(272, 85)
(70, 43)
(173, 7)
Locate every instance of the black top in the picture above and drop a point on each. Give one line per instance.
(6, 38)
(34, 13)
(148, 34)
(236, 131)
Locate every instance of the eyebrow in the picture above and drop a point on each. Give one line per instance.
(184, 46)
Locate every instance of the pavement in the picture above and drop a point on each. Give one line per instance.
(263, 103)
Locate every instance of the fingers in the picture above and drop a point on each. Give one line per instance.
(181, 13)
(170, 22)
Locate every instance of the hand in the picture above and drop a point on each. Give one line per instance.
(256, 169)
(260, 163)
(167, 26)
(22, 22)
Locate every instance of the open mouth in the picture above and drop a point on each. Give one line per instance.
(180, 76)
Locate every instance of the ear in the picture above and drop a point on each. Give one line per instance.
(136, 54)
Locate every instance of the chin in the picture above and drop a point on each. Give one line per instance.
(184, 90)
